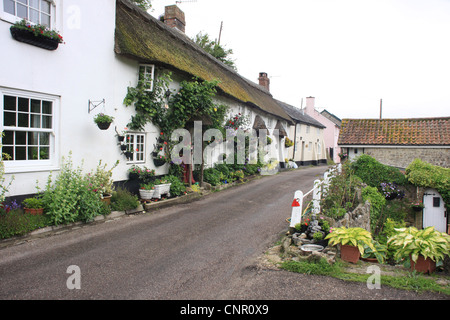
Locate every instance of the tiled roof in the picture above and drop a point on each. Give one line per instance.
(401, 132)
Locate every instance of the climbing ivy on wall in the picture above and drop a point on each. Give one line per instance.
(169, 110)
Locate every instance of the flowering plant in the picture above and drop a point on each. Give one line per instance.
(38, 30)
(417, 204)
(146, 175)
(161, 157)
(342, 155)
(237, 121)
(161, 181)
(288, 142)
(390, 189)
(148, 186)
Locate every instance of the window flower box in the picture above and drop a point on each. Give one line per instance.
(36, 35)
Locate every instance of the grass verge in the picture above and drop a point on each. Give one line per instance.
(410, 281)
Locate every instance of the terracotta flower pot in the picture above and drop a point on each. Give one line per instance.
(34, 212)
(350, 253)
(423, 265)
(107, 199)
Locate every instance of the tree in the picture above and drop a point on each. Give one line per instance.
(215, 49)
(143, 4)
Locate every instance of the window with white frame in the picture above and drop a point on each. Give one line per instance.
(136, 145)
(35, 11)
(28, 125)
(147, 74)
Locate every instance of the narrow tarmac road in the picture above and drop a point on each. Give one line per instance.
(204, 250)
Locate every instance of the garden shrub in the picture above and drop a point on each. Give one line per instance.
(377, 204)
(342, 194)
(177, 187)
(224, 169)
(426, 175)
(373, 173)
(252, 169)
(16, 223)
(123, 200)
(72, 196)
(212, 176)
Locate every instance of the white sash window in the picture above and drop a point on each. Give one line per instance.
(35, 11)
(28, 124)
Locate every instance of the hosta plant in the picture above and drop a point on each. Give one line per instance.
(357, 237)
(411, 242)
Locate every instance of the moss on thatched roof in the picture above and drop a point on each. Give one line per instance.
(141, 37)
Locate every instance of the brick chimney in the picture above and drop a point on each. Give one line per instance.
(174, 18)
(264, 80)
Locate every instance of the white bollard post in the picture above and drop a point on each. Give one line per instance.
(297, 208)
(326, 183)
(316, 197)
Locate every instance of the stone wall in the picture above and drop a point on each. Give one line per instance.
(402, 157)
(358, 218)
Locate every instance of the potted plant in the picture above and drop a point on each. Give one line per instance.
(162, 186)
(159, 160)
(146, 191)
(351, 241)
(390, 190)
(37, 35)
(288, 142)
(417, 206)
(423, 247)
(146, 175)
(133, 172)
(343, 156)
(33, 206)
(103, 121)
(129, 154)
(377, 255)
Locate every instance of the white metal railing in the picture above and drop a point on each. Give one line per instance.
(320, 189)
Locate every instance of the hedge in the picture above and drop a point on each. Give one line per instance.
(424, 174)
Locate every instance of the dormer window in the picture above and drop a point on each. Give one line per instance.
(35, 11)
(147, 75)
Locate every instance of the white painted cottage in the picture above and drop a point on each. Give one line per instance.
(49, 98)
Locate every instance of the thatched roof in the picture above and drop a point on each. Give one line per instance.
(141, 37)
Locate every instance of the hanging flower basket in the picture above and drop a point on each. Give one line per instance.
(103, 121)
(128, 155)
(36, 35)
(104, 125)
(417, 206)
(159, 161)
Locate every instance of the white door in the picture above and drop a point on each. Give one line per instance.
(434, 213)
